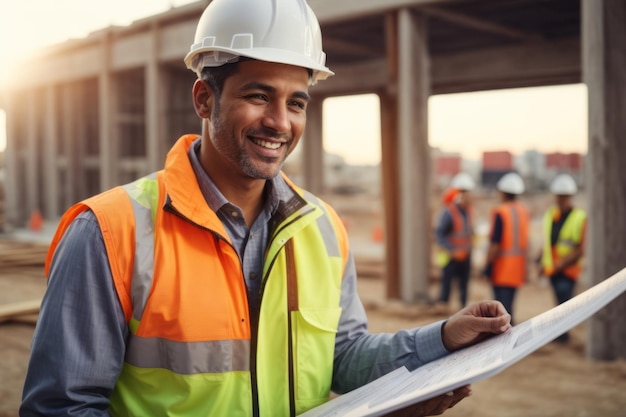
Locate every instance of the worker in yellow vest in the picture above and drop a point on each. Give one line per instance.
(564, 229)
(217, 287)
(508, 241)
(454, 238)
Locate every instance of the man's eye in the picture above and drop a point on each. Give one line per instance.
(259, 96)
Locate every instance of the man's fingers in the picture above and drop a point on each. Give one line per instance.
(499, 324)
(438, 405)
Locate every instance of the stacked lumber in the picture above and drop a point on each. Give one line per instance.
(19, 260)
(15, 311)
(14, 254)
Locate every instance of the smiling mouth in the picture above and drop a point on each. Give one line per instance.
(266, 144)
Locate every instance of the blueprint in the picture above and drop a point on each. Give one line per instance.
(402, 388)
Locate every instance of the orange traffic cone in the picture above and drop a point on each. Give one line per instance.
(36, 221)
(378, 235)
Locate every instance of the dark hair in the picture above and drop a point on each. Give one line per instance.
(217, 76)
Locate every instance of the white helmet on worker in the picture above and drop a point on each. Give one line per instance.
(511, 183)
(563, 184)
(281, 31)
(463, 181)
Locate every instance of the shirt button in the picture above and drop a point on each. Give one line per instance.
(253, 275)
(234, 214)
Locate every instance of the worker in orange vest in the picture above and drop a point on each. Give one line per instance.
(508, 237)
(454, 237)
(564, 228)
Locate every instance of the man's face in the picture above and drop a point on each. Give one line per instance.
(563, 201)
(463, 199)
(260, 118)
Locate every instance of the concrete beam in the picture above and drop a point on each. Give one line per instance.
(533, 64)
(328, 11)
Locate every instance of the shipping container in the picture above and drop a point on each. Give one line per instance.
(497, 160)
(447, 165)
(564, 161)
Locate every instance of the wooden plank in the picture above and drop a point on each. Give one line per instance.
(14, 310)
(17, 254)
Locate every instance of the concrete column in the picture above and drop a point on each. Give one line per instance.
(32, 154)
(154, 105)
(11, 163)
(604, 63)
(389, 159)
(313, 148)
(68, 124)
(107, 130)
(80, 139)
(51, 177)
(413, 156)
(391, 197)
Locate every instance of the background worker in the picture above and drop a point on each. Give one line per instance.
(508, 242)
(454, 236)
(564, 229)
(217, 287)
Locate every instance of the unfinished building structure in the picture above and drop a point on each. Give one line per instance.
(92, 113)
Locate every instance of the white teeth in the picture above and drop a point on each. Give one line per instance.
(268, 145)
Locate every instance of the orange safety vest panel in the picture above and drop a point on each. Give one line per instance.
(461, 237)
(509, 267)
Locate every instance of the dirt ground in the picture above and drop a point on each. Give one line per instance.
(556, 380)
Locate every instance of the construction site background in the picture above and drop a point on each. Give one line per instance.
(556, 380)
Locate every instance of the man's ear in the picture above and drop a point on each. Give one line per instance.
(203, 99)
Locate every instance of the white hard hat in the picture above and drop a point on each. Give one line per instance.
(511, 183)
(282, 31)
(462, 181)
(563, 184)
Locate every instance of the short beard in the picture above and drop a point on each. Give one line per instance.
(242, 158)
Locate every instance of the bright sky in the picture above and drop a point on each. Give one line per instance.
(546, 119)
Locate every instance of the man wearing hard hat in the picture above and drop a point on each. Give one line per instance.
(508, 241)
(454, 238)
(563, 241)
(216, 287)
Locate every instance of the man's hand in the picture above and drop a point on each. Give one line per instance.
(434, 406)
(474, 323)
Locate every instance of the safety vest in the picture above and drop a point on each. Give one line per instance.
(509, 267)
(194, 349)
(570, 236)
(461, 237)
